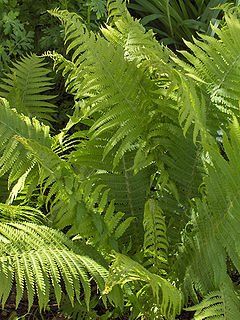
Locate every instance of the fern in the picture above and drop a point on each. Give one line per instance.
(217, 305)
(214, 221)
(73, 201)
(149, 133)
(37, 258)
(15, 159)
(124, 124)
(125, 270)
(214, 65)
(99, 78)
(11, 213)
(118, 126)
(139, 46)
(155, 239)
(26, 88)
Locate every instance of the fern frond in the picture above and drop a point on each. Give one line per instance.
(102, 83)
(20, 213)
(139, 45)
(15, 160)
(37, 258)
(215, 65)
(74, 197)
(109, 89)
(214, 233)
(217, 305)
(125, 270)
(211, 307)
(26, 88)
(155, 238)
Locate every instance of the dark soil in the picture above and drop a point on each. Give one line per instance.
(9, 311)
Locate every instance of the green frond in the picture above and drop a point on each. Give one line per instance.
(125, 270)
(113, 221)
(139, 45)
(178, 175)
(179, 161)
(100, 75)
(68, 69)
(26, 86)
(39, 260)
(213, 229)
(217, 305)
(215, 65)
(111, 94)
(155, 238)
(109, 225)
(120, 114)
(157, 61)
(192, 111)
(57, 178)
(116, 9)
(74, 197)
(15, 160)
(19, 213)
(126, 188)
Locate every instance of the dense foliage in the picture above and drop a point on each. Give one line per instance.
(25, 25)
(129, 209)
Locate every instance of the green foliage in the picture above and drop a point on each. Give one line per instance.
(26, 86)
(11, 213)
(125, 270)
(15, 159)
(173, 21)
(93, 59)
(216, 305)
(145, 173)
(25, 25)
(36, 258)
(155, 238)
(218, 81)
(16, 38)
(215, 221)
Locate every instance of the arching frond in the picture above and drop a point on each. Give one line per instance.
(38, 260)
(120, 95)
(111, 94)
(125, 270)
(19, 213)
(215, 217)
(15, 160)
(76, 203)
(139, 45)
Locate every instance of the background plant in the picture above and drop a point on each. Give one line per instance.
(26, 27)
(173, 21)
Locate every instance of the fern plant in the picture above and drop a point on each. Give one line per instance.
(25, 88)
(137, 176)
(40, 260)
